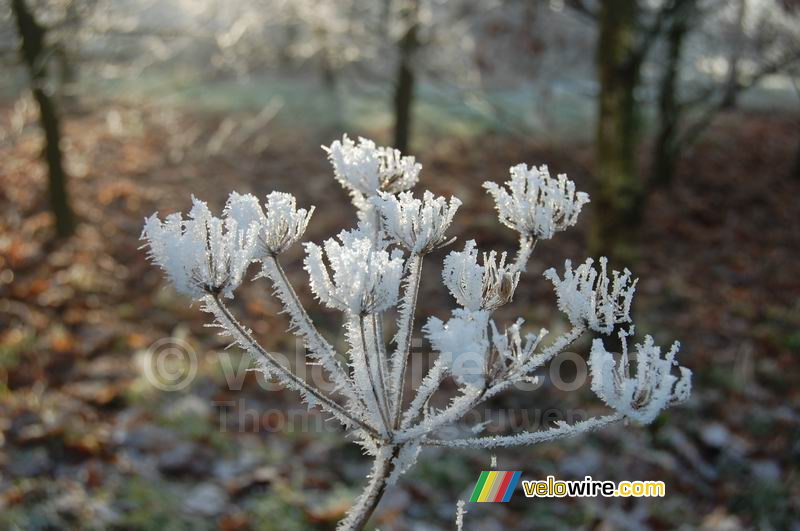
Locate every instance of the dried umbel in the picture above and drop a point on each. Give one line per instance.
(640, 396)
(376, 268)
(419, 225)
(535, 204)
(479, 287)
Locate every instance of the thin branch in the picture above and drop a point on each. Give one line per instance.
(526, 246)
(362, 374)
(456, 410)
(563, 431)
(304, 327)
(243, 337)
(405, 324)
(429, 385)
(692, 132)
(375, 366)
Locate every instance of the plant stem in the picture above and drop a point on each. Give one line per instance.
(242, 336)
(361, 511)
(400, 358)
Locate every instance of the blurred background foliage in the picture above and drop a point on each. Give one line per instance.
(680, 117)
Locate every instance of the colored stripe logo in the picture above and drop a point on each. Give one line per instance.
(495, 486)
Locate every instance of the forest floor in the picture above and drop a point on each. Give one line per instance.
(86, 441)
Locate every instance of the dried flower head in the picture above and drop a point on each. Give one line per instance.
(479, 287)
(642, 396)
(365, 279)
(590, 298)
(419, 225)
(366, 169)
(535, 204)
(282, 226)
(202, 254)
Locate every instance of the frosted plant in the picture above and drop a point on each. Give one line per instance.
(643, 396)
(365, 279)
(365, 170)
(418, 225)
(588, 296)
(374, 271)
(474, 286)
(536, 205)
(282, 225)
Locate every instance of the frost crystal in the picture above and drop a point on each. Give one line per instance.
(282, 225)
(589, 297)
(642, 396)
(537, 204)
(418, 225)
(366, 169)
(365, 280)
(475, 286)
(202, 254)
(464, 340)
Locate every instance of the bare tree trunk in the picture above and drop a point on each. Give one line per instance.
(618, 190)
(404, 84)
(32, 37)
(731, 94)
(666, 146)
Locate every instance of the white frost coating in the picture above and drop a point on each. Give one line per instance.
(419, 225)
(406, 458)
(360, 272)
(537, 204)
(640, 396)
(279, 229)
(589, 296)
(202, 254)
(365, 169)
(460, 512)
(513, 350)
(463, 340)
(364, 280)
(479, 287)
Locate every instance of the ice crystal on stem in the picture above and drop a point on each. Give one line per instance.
(360, 273)
(464, 342)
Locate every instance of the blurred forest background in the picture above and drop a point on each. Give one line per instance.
(680, 117)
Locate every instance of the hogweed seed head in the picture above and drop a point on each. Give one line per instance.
(464, 340)
(590, 298)
(360, 271)
(419, 225)
(282, 226)
(653, 387)
(202, 254)
(366, 170)
(365, 279)
(535, 204)
(479, 287)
